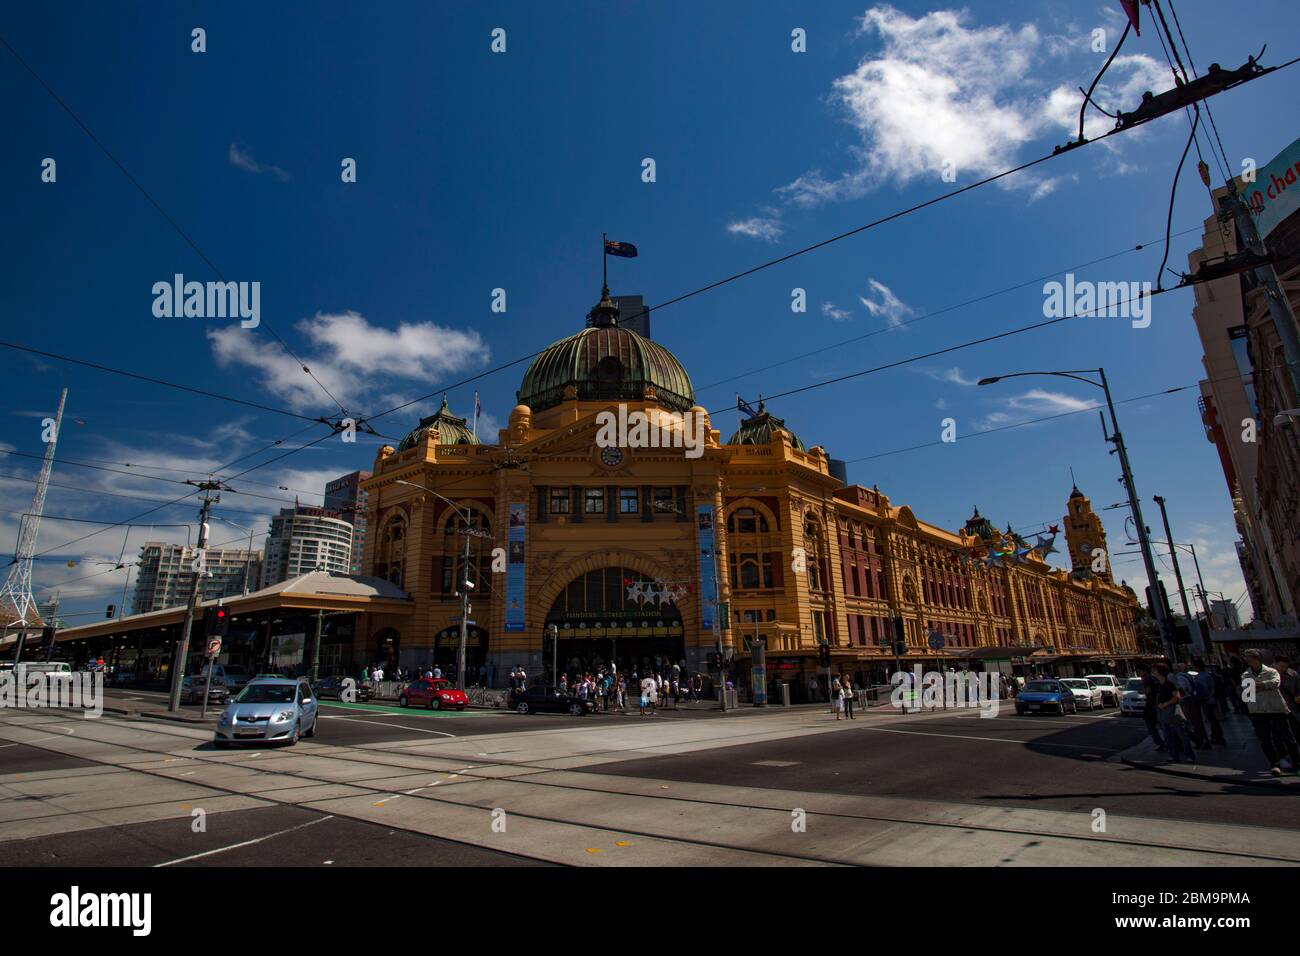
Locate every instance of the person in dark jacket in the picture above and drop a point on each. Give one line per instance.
(1204, 710)
(1149, 687)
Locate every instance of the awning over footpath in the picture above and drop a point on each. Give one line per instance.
(318, 590)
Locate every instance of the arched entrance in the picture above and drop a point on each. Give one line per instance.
(617, 614)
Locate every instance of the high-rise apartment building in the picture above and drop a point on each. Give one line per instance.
(302, 540)
(166, 574)
(346, 496)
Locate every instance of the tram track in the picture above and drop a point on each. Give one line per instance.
(598, 784)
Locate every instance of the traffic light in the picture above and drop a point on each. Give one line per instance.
(824, 655)
(216, 621)
(108, 614)
(47, 637)
(900, 636)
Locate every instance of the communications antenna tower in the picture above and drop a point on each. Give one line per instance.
(16, 598)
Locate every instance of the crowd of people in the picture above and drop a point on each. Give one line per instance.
(1185, 705)
(607, 688)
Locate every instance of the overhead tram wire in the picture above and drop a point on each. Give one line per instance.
(1038, 421)
(155, 381)
(161, 211)
(943, 351)
(916, 207)
(949, 308)
(1221, 157)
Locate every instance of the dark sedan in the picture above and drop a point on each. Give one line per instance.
(548, 699)
(333, 688)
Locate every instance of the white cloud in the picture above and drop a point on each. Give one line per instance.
(941, 93)
(832, 311)
(241, 158)
(353, 358)
(884, 304)
(951, 375)
(767, 228)
(1033, 404)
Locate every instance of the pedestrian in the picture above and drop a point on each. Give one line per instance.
(848, 697)
(1204, 705)
(621, 690)
(1186, 685)
(837, 696)
(1261, 691)
(1290, 689)
(647, 689)
(1149, 687)
(1173, 720)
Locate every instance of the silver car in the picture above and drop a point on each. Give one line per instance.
(268, 709)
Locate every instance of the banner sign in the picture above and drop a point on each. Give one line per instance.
(515, 540)
(1275, 193)
(708, 567)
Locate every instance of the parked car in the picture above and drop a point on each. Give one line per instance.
(1045, 695)
(331, 688)
(433, 693)
(1132, 700)
(1109, 685)
(280, 709)
(547, 698)
(234, 676)
(1086, 694)
(193, 685)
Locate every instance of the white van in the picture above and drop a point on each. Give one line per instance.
(53, 670)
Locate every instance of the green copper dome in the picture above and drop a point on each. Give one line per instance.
(606, 362)
(447, 428)
(758, 430)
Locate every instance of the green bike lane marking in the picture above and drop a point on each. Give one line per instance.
(412, 711)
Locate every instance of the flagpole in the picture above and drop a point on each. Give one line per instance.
(604, 262)
(475, 428)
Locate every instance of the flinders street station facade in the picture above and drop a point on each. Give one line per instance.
(650, 554)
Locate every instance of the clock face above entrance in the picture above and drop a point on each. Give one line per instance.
(611, 457)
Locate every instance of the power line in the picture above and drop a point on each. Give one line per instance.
(161, 211)
(153, 381)
(1045, 418)
(950, 308)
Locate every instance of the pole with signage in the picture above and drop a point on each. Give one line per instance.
(758, 674)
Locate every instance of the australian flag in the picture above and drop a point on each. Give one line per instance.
(624, 249)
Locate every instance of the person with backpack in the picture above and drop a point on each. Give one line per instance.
(1204, 708)
(1191, 710)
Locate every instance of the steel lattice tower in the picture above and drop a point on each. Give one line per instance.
(16, 598)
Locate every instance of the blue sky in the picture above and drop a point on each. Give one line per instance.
(479, 171)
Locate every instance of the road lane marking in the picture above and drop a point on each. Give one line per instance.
(372, 723)
(995, 740)
(236, 846)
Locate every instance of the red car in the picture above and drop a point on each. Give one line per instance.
(433, 694)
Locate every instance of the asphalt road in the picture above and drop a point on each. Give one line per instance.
(376, 722)
(1046, 762)
(267, 836)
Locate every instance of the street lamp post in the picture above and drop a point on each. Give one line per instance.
(1178, 574)
(1135, 506)
(463, 585)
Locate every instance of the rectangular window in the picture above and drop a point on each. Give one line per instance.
(595, 499)
(663, 501)
(559, 501)
(628, 502)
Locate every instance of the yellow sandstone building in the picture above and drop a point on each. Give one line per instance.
(662, 555)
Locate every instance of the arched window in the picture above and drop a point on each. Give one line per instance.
(747, 521)
(392, 549)
(456, 524)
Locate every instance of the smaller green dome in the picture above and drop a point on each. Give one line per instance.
(758, 430)
(447, 428)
